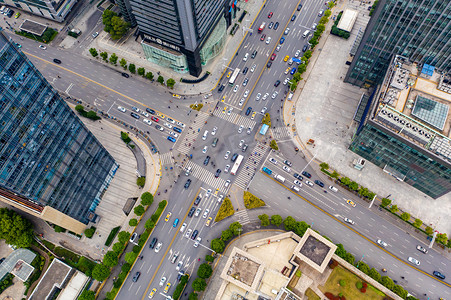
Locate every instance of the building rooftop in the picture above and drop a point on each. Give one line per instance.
(53, 280)
(18, 263)
(347, 20)
(33, 27)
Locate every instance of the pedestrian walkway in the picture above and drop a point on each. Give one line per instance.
(242, 216)
(235, 118)
(280, 133)
(167, 158)
(206, 176)
(250, 167)
(186, 141)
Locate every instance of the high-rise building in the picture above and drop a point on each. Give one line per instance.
(52, 10)
(417, 30)
(51, 165)
(180, 34)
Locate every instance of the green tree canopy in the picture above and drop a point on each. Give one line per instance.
(141, 71)
(217, 245)
(374, 274)
(118, 28)
(132, 68)
(264, 219)
(387, 282)
(170, 83)
(146, 199)
(394, 208)
(192, 296)
(235, 227)
(417, 223)
(276, 220)
(118, 247)
(324, 166)
(199, 284)
(15, 229)
(290, 223)
(139, 210)
(149, 75)
(100, 272)
(204, 271)
(273, 145)
(385, 202)
(160, 79)
(123, 63)
(113, 59)
(130, 257)
(106, 19)
(405, 216)
(87, 295)
(93, 52)
(123, 236)
(133, 222)
(104, 56)
(226, 235)
(297, 77)
(110, 259)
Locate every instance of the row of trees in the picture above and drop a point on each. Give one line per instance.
(15, 229)
(113, 59)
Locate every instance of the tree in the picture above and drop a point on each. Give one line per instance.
(130, 257)
(123, 63)
(441, 238)
(354, 186)
(289, 223)
(374, 274)
(209, 258)
(394, 208)
(321, 27)
(87, 295)
(385, 202)
(397, 289)
(118, 28)
(345, 180)
(149, 75)
(387, 282)
(192, 296)
(226, 235)
(293, 87)
(217, 245)
(364, 267)
(405, 216)
(340, 251)
(100, 272)
(15, 229)
(235, 227)
(274, 145)
(113, 59)
(118, 247)
(93, 52)
(104, 56)
(133, 222)
(141, 181)
(106, 19)
(199, 284)
(301, 69)
(301, 228)
(110, 259)
(276, 220)
(204, 271)
(350, 258)
(324, 166)
(334, 174)
(363, 191)
(142, 72)
(429, 230)
(90, 232)
(139, 210)
(146, 199)
(417, 223)
(132, 68)
(160, 79)
(123, 236)
(170, 83)
(297, 77)
(308, 54)
(264, 219)
(327, 13)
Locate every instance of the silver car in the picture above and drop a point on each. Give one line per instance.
(413, 261)
(236, 88)
(258, 96)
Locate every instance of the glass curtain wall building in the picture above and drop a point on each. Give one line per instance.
(47, 156)
(418, 30)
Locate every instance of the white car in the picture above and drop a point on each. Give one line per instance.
(382, 243)
(183, 227)
(213, 132)
(253, 68)
(158, 247)
(297, 182)
(198, 240)
(297, 53)
(258, 96)
(167, 125)
(314, 26)
(286, 169)
(170, 120)
(241, 102)
(198, 211)
(205, 149)
(246, 93)
(120, 108)
(422, 249)
(274, 95)
(285, 82)
(179, 265)
(273, 160)
(148, 122)
(226, 156)
(278, 48)
(249, 130)
(309, 183)
(241, 144)
(226, 169)
(349, 221)
(413, 261)
(173, 134)
(235, 89)
(145, 114)
(240, 129)
(95, 34)
(208, 193)
(42, 47)
(221, 197)
(268, 40)
(229, 112)
(188, 233)
(162, 281)
(264, 109)
(136, 109)
(181, 124)
(265, 96)
(205, 215)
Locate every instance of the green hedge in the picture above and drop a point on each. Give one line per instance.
(180, 287)
(112, 235)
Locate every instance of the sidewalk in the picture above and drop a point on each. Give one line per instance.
(323, 109)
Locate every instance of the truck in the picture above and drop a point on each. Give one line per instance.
(260, 29)
(279, 178)
(267, 171)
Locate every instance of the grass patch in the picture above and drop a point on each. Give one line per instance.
(311, 295)
(349, 290)
(69, 257)
(250, 201)
(48, 35)
(112, 235)
(197, 107)
(48, 245)
(226, 210)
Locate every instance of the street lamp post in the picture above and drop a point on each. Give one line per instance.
(360, 260)
(310, 161)
(372, 201)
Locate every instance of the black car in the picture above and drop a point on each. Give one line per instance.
(299, 7)
(191, 211)
(245, 70)
(307, 174)
(10, 13)
(2, 260)
(125, 75)
(254, 54)
(221, 88)
(136, 116)
(244, 147)
(297, 176)
(293, 18)
(276, 25)
(187, 184)
(277, 83)
(319, 183)
(136, 277)
(248, 111)
(270, 25)
(234, 157)
(150, 111)
(439, 275)
(218, 172)
(57, 61)
(207, 159)
(305, 48)
(194, 235)
(268, 65)
(153, 243)
(197, 201)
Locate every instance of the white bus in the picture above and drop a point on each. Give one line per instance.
(236, 165)
(234, 76)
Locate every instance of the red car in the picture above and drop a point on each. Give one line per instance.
(270, 15)
(154, 119)
(273, 56)
(263, 37)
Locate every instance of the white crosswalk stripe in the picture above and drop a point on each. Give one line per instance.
(191, 133)
(242, 216)
(248, 170)
(166, 158)
(206, 176)
(281, 132)
(235, 118)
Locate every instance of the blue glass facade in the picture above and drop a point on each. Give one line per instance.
(47, 155)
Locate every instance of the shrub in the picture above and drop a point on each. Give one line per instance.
(405, 216)
(333, 264)
(274, 145)
(342, 282)
(197, 106)
(363, 290)
(276, 220)
(149, 75)
(225, 210)
(267, 119)
(365, 285)
(209, 258)
(125, 137)
(324, 166)
(251, 201)
(417, 223)
(160, 79)
(139, 210)
(428, 230)
(264, 219)
(358, 285)
(385, 202)
(89, 233)
(133, 222)
(59, 229)
(298, 273)
(394, 208)
(112, 235)
(141, 181)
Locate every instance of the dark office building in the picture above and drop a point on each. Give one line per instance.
(180, 34)
(48, 158)
(418, 30)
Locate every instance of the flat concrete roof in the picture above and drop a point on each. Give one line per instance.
(18, 263)
(33, 27)
(347, 20)
(54, 278)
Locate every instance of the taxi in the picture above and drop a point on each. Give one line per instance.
(253, 115)
(223, 99)
(286, 58)
(216, 192)
(287, 71)
(168, 216)
(167, 287)
(350, 203)
(228, 74)
(208, 221)
(224, 110)
(176, 96)
(152, 293)
(161, 115)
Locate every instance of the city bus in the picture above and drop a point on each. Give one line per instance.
(236, 165)
(234, 76)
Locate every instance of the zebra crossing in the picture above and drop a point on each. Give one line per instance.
(242, 216)
(187, 140)
(248, 170)
(206, 176)
(167, 158)
(281, 133)
(235, 118)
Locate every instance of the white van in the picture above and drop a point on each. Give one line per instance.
(204, 137)
(306, 33)
(246, 56)
(332, 188)
(293, 187)
(280, 178)
(290, 96)
(188, 171)
(2, 9)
